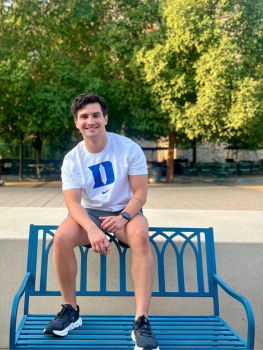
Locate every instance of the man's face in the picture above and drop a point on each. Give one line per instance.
(90, 121)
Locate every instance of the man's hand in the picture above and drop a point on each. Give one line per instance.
(99, 241)
(113, 223)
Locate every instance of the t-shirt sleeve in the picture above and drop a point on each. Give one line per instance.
(138, 164)
(68, 179)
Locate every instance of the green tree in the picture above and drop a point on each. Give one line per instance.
(206, 73)
(66, 49)
(20, 76)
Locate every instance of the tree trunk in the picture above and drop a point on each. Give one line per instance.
(170, 160)
(38, 146)
(21, 159)
(194, 150)
(38, 154)
(236, 167)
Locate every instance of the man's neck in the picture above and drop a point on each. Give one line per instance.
(96, 145)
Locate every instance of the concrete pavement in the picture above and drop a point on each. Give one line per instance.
(245, 194)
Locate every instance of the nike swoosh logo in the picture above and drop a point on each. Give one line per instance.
(105, 191)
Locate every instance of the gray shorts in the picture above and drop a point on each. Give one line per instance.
(94, 214)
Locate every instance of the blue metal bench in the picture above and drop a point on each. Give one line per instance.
(101, 332)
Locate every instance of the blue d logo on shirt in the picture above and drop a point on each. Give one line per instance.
(97, 174)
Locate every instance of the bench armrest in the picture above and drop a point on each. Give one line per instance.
(17, 298)
(245, 303)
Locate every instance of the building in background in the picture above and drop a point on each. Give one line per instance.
(206, 152)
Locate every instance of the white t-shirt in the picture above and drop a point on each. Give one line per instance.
(103, 176)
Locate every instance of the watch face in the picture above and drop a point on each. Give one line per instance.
(126, 216)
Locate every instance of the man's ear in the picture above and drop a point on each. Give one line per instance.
(106, 119)
(76, 123)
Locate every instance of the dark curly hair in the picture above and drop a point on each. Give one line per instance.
(84, 99)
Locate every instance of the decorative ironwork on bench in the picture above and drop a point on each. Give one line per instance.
(166, 236)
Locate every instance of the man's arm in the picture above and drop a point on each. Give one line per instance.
(138, 185)
(97, 238)
(76, 210)
(139, 189)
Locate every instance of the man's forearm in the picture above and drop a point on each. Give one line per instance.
(80, 215)
(135, 204)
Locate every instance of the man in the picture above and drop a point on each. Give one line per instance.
(105, 186)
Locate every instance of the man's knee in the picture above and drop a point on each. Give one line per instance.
(140, 239)
(62, 241)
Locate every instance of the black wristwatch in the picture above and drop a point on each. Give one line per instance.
(126, 216)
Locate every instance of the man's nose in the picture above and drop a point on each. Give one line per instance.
(91, 121)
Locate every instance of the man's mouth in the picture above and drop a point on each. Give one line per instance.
(92, 128)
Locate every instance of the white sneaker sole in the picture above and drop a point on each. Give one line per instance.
(136, 346)
(65, 331)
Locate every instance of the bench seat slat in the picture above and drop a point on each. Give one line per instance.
(126, 342)
(91, 347)
(129, 316)
(128, 336)
(218, 323)
(87, 332)
(152, 319)
(99, 327)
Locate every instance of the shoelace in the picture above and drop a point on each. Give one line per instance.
(145, 327)
(63, 312)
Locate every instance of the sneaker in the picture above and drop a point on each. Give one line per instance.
(143, 335)
(68, 318)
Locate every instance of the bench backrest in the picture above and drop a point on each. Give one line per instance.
(200, 240)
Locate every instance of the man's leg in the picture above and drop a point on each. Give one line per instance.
(68, 236)
(136, 235)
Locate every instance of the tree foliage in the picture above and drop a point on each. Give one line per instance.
(61, 49)
(206, 74)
